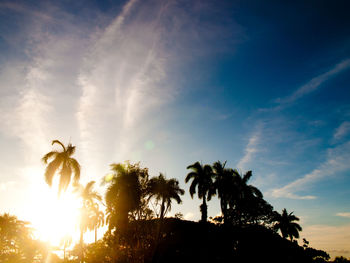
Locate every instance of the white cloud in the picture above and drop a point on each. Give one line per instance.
(250, 150)
(337, 161)
(314, 83)
(342, 130)
(122, 83)
(344, 214)
(309, 87)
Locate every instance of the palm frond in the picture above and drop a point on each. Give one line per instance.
(49, 155)
(51, 169)
(194, 166)
(65, 177)
(190, 176)
(75, 166)
(60, 143)
(247, 176)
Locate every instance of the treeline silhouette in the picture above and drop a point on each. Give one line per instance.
(136, 206)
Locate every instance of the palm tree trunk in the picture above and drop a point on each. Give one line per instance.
(224, 209)
(81, 246)
(204, 209)
(162, 208)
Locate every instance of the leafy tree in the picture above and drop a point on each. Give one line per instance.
(202, 180)
(341, 259)
(124, 193)
(62, 163)
(16, 241)
(164, 190)
(285, 223)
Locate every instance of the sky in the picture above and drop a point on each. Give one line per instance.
(263, 85)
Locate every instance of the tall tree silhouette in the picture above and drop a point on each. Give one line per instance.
(66, 241)
(164, 190)
(97, 219)
(242, 194)
(285, 223)
(123, 194)
(202, 180)
(62, 163)
(243, 189)
(224, 181)
(88, 196)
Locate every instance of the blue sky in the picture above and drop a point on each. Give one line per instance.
(263, 85)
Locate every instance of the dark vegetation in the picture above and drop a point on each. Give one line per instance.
(139, 231)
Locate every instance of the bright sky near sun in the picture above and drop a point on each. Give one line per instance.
(264, 85)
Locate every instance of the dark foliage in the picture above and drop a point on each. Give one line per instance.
(187, 241)
(16, 242)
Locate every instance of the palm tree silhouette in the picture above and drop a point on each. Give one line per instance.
(164, 190)
(61, 163)
(66, 241)
(242, 193)
(245, 190)
(87, 195)
(97, 219)
(123, 194)
(202, 179)
(285, 223)
(223, 184)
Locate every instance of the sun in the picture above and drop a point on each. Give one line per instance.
(54, 217)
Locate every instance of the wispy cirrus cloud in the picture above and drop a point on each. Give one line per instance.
(342, 130)
(98, 80)
(20, 8)
(336, 161)
(311, 86)
(314, 83)
(250, 150)
(122, 82)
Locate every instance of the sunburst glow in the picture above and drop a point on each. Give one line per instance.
(55, 217)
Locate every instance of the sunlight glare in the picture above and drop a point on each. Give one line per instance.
(55, 217)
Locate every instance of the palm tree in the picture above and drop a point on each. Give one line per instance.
(223, 182)
(84, 226)
(202, 179)
(66, 241)
(245, 190)
(164, 190)
(62, 163)
(242, 193)
(88, 196)
(285, 223)
(124, 193)
(97, 219)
